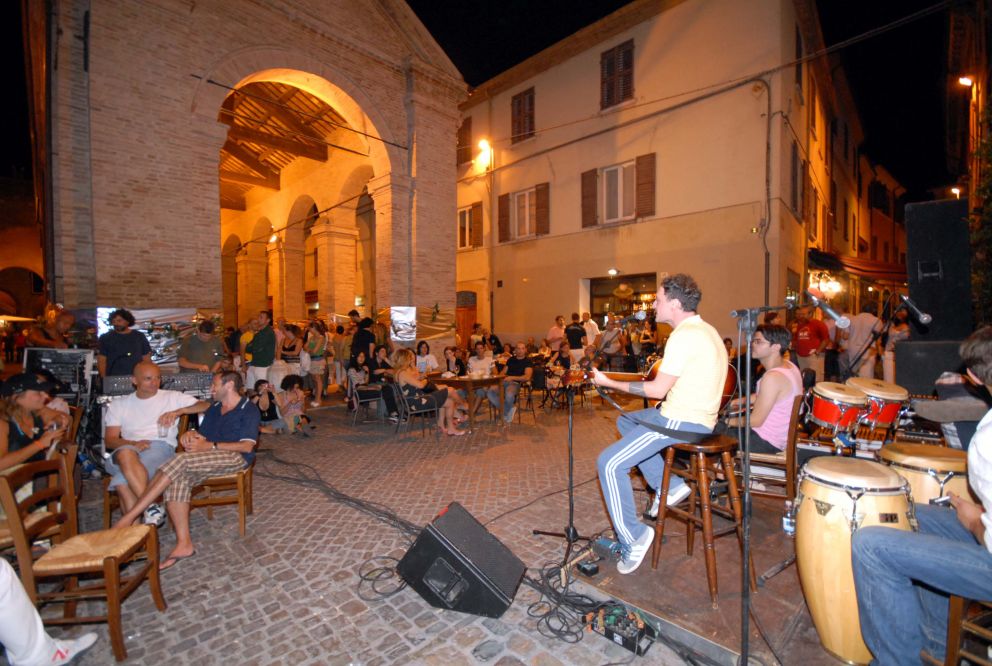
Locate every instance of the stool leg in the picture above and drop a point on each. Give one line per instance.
(690, 523)
(735, 504)
(659, 526)
(704, 499)
(956, 614)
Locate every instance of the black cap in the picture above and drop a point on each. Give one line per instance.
(24, 382)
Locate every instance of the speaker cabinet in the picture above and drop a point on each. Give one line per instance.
(920, 362)
(938, 258)
(457, 564)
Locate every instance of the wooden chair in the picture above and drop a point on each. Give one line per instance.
(6, 537)
(76, 416)
(785, 461)
(969, 626)
(74, 556)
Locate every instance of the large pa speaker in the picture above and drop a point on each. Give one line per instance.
(938, 260)
(457, 564)
(920, 362)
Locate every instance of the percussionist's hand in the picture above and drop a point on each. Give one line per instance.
(969, 515)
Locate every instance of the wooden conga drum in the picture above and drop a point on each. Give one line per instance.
(838, 496)
(931, 470)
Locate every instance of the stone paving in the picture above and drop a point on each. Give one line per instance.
(288, 593)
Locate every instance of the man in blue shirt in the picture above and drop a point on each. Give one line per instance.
(224, 444)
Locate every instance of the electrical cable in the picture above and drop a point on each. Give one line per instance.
(536, 500)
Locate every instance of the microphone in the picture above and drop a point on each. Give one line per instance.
(842, 321)
(921, 316)
(640, 315)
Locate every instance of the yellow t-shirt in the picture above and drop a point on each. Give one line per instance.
(246, 337)
(696, 355)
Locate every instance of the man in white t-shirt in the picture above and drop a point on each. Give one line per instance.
(861, 336)
(141, 431)
(592, 328)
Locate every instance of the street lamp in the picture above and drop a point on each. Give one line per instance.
(966, 81)
(956, 191)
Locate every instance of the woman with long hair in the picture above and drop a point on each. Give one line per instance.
(425, 361)
(316, 347)
(27, 427)
(412, 384)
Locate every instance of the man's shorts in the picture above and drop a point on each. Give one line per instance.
(152, 458)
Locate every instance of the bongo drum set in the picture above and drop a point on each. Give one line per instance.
(839, 495)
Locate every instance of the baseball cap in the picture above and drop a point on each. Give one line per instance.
(23, 382)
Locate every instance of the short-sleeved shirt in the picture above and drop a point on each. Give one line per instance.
(483, 365)
(138, 417)
(575, 332)
(262, 348)
(696, 355)
(123, 351)
(197, 351)
(808, 336)
(980, 472)
(516, 367)
(238, 425)
(361, 341)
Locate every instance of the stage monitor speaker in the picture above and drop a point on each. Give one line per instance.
(920, 362)
(938, 260)
(457, 564)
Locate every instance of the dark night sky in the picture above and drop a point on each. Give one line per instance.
(897, 78)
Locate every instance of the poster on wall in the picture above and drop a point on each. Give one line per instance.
(403, 323)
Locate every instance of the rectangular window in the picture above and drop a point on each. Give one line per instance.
(799, 59)
(833, 204)
(522, 115)
(812, 107)
(814, 211)
(847, 213)
(464, 228)
(794, 178)
(464, 149)
(524, 213)
(618, 192)
(616, 75)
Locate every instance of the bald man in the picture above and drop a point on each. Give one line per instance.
(141, 431)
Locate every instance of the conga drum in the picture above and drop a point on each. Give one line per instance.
(931, 470)
(885, 402)
(837, 496)
(836, 406)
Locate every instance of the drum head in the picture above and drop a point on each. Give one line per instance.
(879, 389)
(925, 456)
(840, 392)
(853, 472)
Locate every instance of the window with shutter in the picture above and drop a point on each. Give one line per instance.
(616, 75)
(503, 217)
(523, 213)
(795, 179)
(464, 228)
(645, 168)
(522, 115)
(617, 192)
(590, 207)
(464, 149)
(476, 230)
(542, 209)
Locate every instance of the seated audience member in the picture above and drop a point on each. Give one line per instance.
(519, 369)
(224, 444)
(292, 404)
(359, 382)
(379, 366)
(412, 384)
(531, 345)
(27, 427)
(452, 363)
(903, 579)
(426, 363)
(201, 351)
(268, 408)
(141, 431)
(480, 362)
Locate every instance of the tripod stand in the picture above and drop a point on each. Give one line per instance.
(571, 535)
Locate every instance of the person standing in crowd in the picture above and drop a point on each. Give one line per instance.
(903, 578)
(55, 334)
(341, 347)
(262, 348)
(201, 350)
(810, 340)
(288, 351)
(575, 333)
(316, 347)
(123, 347)
(556, 333)
(898, 331)
(493, 341)
(364, 339)
(247, 333)
(20, 342)
(592, 328)
(861, 336)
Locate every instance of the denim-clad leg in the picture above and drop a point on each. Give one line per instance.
(641, 447)
(510, 390)
(899, 617)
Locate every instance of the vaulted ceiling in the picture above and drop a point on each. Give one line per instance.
(270, 125)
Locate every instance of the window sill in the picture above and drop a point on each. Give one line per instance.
(619, 106)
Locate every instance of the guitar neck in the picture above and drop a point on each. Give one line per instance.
(625, 376)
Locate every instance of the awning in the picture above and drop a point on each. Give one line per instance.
(874, 270)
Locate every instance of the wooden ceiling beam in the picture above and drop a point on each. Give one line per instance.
(284, 144)
(288, 118)
(271, 182)
(233, 201)
(250, 160)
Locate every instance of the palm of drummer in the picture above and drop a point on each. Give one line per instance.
(903, 579)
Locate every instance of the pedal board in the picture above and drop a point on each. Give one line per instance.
(624, 627)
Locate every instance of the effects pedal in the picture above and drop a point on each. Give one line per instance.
(624, 627)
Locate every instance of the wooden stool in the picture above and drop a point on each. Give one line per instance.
(969, 633)
(711, 454)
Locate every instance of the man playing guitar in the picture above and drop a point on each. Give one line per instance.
(691, 384)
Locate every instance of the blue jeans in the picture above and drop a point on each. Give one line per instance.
(903, 580)
(641, 447)
(510, 390)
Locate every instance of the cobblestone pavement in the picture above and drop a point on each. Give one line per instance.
(288, 592)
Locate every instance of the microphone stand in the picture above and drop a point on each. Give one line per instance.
(848, 372)
(747, 322)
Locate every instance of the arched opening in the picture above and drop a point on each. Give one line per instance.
(26, 289)
(365, 297)
(229, 279)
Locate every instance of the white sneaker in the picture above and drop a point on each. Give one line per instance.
(638, 550)
(511, 414)
(68, 649)
(674, 497)
(154, 515)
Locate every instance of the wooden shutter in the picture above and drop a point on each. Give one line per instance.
(464, 149)
(625, 71)
(590, 182)
(503, 204)
(475, 225)
(607, 78)
(542, 209)
(516, 114)
(644, 174)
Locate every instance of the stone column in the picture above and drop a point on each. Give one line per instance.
(252, 290)
(335, 240)
(393, 240)
(286, 279)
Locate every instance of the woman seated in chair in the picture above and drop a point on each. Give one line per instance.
(425, 361)
(360, 386)
(412, 385)
(558, 365)
(452, 362)
(27, 427)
